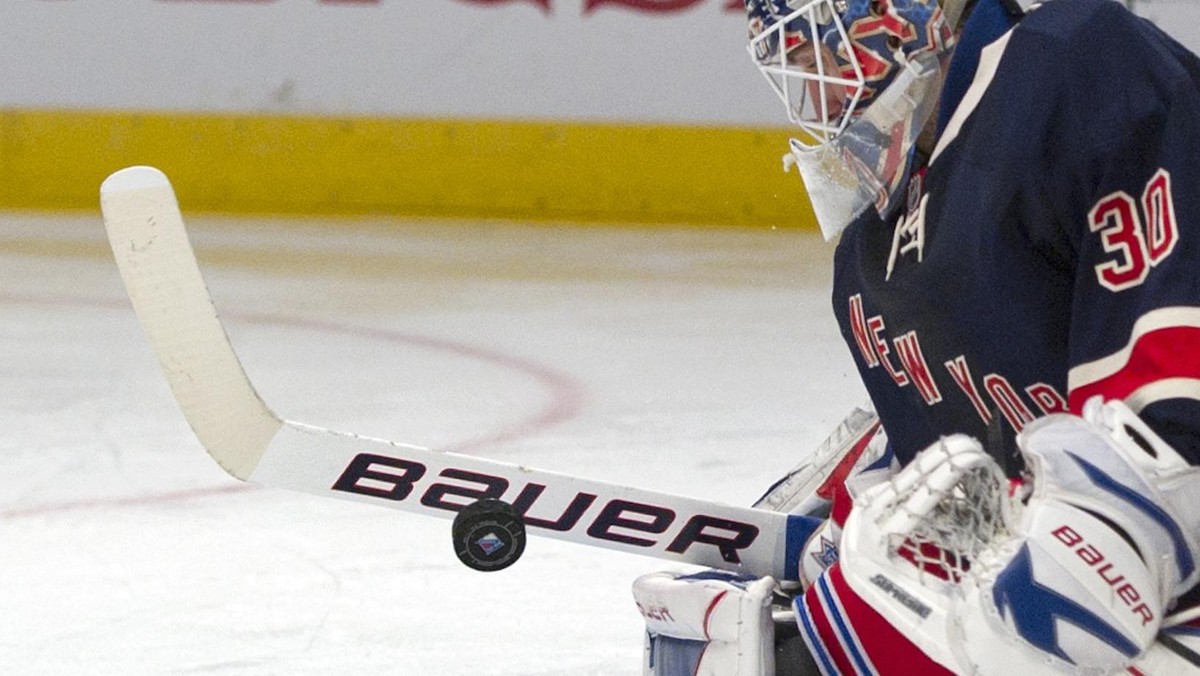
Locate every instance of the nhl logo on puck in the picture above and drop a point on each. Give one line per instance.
(488, 535)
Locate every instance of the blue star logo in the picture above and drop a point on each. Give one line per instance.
(828, 554)
(1035, 610)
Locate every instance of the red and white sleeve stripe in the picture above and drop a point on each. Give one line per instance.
(1160, 361)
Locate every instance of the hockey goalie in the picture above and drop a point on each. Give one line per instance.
(1013, 189)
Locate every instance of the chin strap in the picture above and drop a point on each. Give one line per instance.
(1019, 7)
(956, 12)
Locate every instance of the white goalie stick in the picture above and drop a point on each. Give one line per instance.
(251, 443)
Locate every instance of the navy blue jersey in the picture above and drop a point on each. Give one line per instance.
(1050, 249)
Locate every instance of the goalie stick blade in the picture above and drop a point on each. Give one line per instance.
(172, 304)
(250, 442)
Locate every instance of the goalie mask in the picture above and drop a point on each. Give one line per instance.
(860, 78)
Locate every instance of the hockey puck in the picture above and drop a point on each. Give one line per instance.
(488, 535)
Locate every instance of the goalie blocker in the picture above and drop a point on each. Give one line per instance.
(943, 571)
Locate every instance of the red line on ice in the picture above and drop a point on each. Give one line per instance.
(565, 400)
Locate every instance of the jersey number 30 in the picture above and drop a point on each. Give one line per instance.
(1136, 246)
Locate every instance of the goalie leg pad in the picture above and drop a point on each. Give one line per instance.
(846, 635)
(710, 623)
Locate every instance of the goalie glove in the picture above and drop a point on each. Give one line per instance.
(943, 572)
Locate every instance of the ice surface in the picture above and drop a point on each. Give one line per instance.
(702, 362)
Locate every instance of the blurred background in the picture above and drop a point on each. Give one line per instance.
(633, 111)
(583, 110)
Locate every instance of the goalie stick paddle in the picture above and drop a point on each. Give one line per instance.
(250, 442)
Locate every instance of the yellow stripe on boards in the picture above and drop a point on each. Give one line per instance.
(524, 170)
